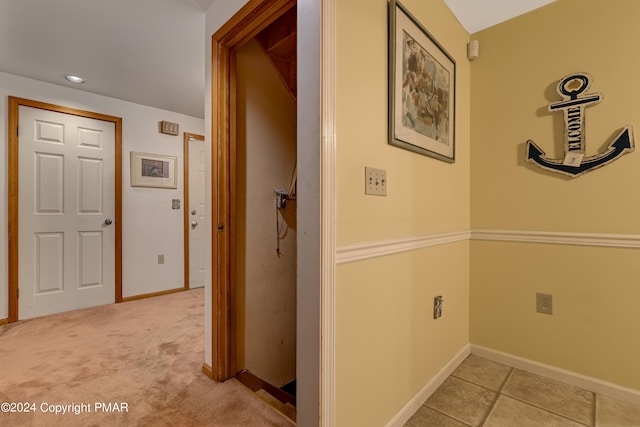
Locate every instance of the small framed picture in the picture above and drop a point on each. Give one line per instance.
(153, 170)
(422, 79)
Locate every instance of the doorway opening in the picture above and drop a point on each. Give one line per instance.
(265, 207)
(194, 211)
(261, 33)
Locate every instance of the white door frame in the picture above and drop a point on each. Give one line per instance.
(325, 13)
(185, 149)
(13, 198)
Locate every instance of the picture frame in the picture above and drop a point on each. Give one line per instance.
(153, 170)
(422, 79)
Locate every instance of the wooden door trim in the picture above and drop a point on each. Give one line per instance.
(13, 200)
(185, 151)
(242, 27)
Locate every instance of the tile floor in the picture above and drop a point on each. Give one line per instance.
(485, 393)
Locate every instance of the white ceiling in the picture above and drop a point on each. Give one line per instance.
(476, 15)
(150, 52)
(204, 4)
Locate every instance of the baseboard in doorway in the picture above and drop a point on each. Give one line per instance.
(418, 399)
(152, 294)
(4, 321)
(208, 371)
(578, 380)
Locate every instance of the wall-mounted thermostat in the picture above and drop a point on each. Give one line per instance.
(169, 128)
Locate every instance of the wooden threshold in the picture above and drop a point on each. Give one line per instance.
(255, 383)
(153, 294)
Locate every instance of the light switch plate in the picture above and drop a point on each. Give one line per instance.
(169, 128)
(375, 181)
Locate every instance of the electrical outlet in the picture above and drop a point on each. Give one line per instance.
(437, 307)
(544, 303)
(161, 259)
(375, 181)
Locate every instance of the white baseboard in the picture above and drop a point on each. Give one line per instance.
(412, 406)
(578, 380)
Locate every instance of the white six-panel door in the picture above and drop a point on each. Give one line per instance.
(197, 217)
(66, 212)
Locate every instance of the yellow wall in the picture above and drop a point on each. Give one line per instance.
(388, 345)
(423, 195)
(593, 329)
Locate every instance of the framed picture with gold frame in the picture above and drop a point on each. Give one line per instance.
(422, 79)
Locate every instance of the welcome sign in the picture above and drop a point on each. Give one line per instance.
(573, 105)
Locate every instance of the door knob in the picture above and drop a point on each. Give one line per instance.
(194, 224)
(193, 212)
(108, 221)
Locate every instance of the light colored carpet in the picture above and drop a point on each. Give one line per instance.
(147, 354)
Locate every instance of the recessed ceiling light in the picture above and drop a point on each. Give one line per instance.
(74, 79)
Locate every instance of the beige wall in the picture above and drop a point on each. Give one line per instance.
(388, 345)
(593, 329)
(266, 283)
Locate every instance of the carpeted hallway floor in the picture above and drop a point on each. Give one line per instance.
(147, 354)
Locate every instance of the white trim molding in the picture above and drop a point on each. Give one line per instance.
(418, 399)
(328, 191)
(561, 238)
(368, 250)
(578, 380)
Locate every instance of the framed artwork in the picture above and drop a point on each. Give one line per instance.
(153, 170)
(422, 79)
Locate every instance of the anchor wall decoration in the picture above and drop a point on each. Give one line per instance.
(573, 105)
